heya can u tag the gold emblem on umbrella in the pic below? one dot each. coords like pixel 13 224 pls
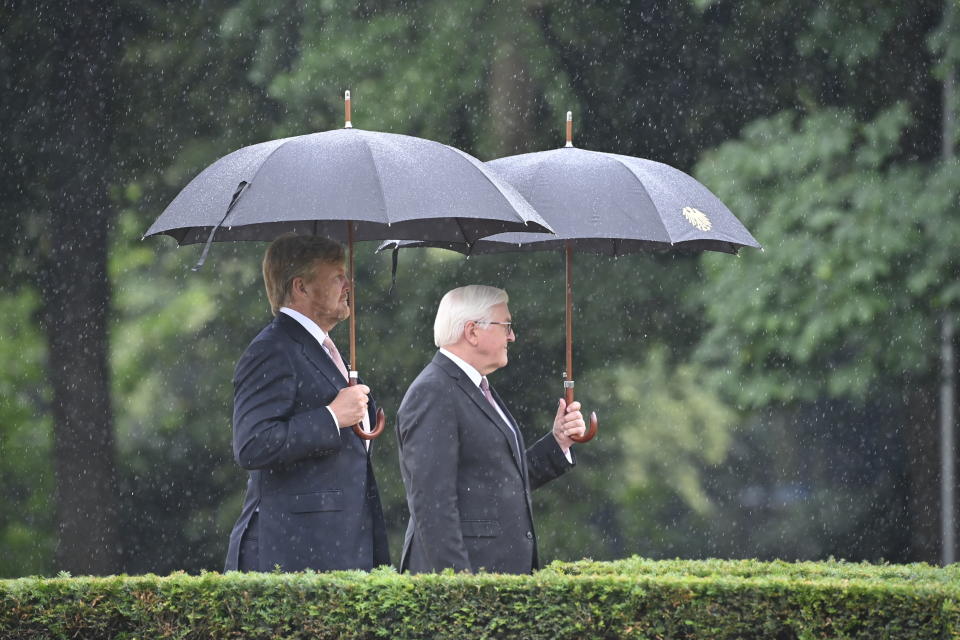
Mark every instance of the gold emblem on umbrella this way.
pixel 697 218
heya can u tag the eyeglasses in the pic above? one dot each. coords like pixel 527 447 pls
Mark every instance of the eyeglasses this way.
pixel 507 325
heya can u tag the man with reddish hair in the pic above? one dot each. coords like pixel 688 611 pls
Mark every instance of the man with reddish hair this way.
pixel 311 499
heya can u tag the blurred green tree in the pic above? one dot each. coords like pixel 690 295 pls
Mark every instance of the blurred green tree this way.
pixel 27 526
pixel 59 75
pixel 860 244
pixel 664 80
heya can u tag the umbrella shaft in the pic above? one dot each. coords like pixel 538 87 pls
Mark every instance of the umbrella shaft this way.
pixel 353 302
pixel 568 255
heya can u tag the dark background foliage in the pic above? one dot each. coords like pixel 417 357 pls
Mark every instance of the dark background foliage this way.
pixel 779 404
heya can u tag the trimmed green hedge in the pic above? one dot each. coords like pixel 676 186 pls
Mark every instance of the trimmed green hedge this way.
pixel 632 598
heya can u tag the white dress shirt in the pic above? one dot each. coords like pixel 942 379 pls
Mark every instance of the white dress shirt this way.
pixel 475 378
pixel 320 335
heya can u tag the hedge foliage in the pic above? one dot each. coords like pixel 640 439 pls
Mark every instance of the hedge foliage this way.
pixel 631 598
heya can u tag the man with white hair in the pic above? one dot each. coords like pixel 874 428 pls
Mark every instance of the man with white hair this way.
pixel 467 473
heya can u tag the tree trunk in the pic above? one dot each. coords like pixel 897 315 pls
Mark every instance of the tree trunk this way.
pixel 73 279
pixel 920 435
pixel 512 93
pixel 947 400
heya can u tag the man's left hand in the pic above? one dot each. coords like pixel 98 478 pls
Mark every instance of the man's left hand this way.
pixel 568 422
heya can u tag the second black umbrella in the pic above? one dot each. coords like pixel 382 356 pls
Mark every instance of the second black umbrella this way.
pixel 607 204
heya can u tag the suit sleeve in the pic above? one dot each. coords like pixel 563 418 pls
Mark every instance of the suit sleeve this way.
pixel 546 462
pixel 429 450
pixel 266 431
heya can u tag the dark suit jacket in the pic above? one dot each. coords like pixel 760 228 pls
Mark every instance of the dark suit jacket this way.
pixel 468 486
pixel 313 486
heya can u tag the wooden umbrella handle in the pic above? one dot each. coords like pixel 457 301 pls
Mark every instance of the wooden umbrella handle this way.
pixel 352 380
pixel 568 374
pixel 377 429
pixel 591 429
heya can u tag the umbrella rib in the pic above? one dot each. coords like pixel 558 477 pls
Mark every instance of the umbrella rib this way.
pixel 463 234
pixel 538 169
pixel 376 168
pixel 483 170
pixel 249 183
pixel 619 160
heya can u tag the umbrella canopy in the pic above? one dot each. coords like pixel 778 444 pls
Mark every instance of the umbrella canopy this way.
pixel 607 204
pixel 611 204
pixel 387 185
pixel 347 185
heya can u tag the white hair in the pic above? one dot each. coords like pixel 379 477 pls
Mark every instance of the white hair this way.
pixel 461 305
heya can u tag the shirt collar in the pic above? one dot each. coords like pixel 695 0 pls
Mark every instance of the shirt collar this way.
pixel 468 369
pixel 312 327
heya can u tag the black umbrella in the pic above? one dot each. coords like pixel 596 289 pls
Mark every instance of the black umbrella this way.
pixel 347 185
pixel 607 204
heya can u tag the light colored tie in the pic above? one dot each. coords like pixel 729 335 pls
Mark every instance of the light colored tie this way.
pixel 337 360
pixel 335 356
pixel 485 387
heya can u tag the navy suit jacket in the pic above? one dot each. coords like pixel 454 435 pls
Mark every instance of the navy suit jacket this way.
pixel 468 482
pixel 311 483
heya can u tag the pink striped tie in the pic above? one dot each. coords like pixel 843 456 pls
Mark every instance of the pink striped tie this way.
pixel 485 387
pixel 335 356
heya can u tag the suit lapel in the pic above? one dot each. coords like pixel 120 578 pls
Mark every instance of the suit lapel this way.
pixel 312 350
pixel 519 453
pixel 319 358
pixel 473 392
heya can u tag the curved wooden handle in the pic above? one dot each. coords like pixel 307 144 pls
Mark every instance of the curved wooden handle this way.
pixel 377 429
pixel 591 427
pixel 591 430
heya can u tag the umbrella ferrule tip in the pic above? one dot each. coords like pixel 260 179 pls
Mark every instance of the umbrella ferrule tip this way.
pixel 346 94
pixel 569 116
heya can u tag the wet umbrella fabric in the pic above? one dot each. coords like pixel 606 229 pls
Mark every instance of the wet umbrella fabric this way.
pixel 347 185
pixel 607 204
pixel 387 185
pixel 611 204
